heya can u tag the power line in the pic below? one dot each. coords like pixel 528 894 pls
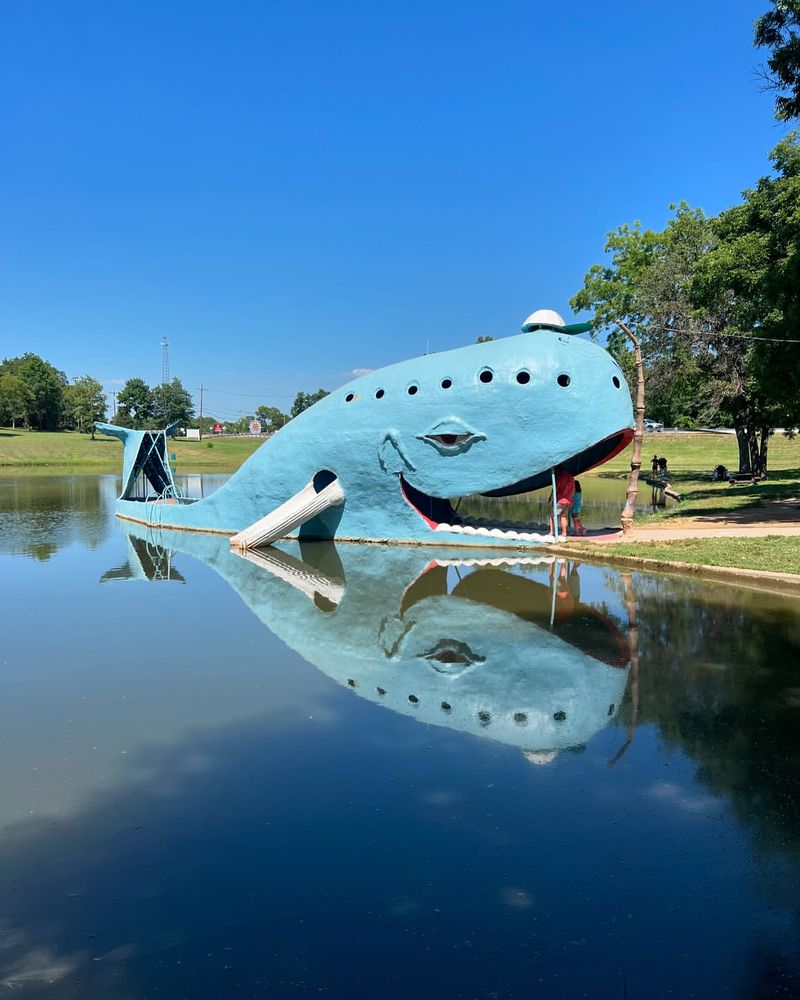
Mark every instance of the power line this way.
pixel 734 336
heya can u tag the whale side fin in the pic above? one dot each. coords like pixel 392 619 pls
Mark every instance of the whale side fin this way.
pixel 321 493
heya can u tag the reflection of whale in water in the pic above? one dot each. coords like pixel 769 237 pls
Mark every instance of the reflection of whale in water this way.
pixel 146 561
pixel 468 644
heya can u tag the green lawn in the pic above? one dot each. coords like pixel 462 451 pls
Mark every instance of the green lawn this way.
pixel 691 458
pixel 774 553
pixel 65 452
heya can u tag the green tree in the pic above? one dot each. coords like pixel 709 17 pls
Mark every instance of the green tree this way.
pixel 647 284
pixel 85 403
pixel 303 400
pixel 484 340
pixel 171 403
pixel 15 397
pixel 271 418
pixel 135 404
pixel 750 282
pixel 779 31
pixel 240 426
pixel 46 385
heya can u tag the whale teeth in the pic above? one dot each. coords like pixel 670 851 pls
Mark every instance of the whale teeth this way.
pixel 506 531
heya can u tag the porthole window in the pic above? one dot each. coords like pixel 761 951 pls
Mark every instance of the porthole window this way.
pixel 381 690
pixel 351 683
pixel 563 380
pixel 379 394
pixel 520 718
pixel 615 380
pixel 412 390
pixel 523 377
pixel 413 699
pixel 559 716
pixel 349 397
pixel 484 718
pixel 446 706
pixel 486 376
pixel 447 383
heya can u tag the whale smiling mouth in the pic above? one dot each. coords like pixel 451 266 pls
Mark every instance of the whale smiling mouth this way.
pixel 439 515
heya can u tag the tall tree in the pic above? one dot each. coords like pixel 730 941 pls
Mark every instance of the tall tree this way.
pixel 85 403
pixel 271 418
pixel 135 404
pixel 15 397
pixel 749 284
pixel 46 385
pixel 171 403
pixel 779 31
pixel 647 284
pixel 303 400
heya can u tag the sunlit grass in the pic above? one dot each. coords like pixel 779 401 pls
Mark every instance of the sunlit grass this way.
pixel 68 452
pixel 775 553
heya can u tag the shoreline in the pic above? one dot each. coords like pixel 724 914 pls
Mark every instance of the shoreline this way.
pixel 787 584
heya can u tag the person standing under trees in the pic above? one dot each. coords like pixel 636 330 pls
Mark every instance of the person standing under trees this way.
pixel 577 503
pixel 565 494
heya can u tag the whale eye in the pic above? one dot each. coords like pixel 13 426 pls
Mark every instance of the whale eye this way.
pixel 563 380
pixel 486 376
pixel 523 377
pixel 412 390
pixel 449 440
pixel 349 397
pixel 379 394
pixel 615 380
pixel 447 383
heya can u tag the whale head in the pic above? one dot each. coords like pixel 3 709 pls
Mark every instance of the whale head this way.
pixel 492 419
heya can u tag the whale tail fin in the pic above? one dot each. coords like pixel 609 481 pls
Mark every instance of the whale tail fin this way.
pixel 145 467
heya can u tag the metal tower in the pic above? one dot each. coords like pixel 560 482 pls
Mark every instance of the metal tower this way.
pixel 164 361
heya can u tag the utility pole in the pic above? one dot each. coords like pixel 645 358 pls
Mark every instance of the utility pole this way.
pixel 114 403
pixel 202 389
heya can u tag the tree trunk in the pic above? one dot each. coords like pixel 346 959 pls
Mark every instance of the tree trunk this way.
pixel 764 448
pixel 744 451
pixel 755 451
pixel 638 434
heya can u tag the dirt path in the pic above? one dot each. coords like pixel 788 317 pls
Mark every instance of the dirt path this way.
pixel 703 528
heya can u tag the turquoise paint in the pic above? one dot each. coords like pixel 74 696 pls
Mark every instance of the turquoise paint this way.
pixel 467 644
pixel 491 418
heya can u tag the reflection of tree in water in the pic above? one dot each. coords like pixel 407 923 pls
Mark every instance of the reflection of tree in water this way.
pixel 720 682
pixel 719 679
pixel 43 515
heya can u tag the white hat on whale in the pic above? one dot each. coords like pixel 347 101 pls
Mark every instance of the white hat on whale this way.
pixel 549 319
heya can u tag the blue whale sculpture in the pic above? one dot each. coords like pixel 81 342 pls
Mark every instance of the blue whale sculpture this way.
pixel 484 646
pixel 381 458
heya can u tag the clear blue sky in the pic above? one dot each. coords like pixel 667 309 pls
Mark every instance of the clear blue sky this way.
pixel 290 191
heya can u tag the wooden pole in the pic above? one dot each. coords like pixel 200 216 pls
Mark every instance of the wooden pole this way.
pixel 638 434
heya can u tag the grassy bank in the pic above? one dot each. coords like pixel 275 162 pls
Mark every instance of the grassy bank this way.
pixel 773 554
pixel 691 458
pixel 68 452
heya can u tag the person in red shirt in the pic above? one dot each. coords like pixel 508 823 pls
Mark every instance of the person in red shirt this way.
pixel 565 494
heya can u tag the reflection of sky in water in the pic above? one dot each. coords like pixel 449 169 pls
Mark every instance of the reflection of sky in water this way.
pixel 188 807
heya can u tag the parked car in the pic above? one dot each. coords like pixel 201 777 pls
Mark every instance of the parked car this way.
pixel 653 426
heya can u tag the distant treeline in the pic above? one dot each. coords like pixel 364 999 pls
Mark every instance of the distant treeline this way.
pixel 37 395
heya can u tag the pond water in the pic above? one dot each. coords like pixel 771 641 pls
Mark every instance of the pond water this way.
pixel 364 771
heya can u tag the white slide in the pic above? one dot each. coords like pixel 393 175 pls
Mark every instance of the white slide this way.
pixel 309 502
